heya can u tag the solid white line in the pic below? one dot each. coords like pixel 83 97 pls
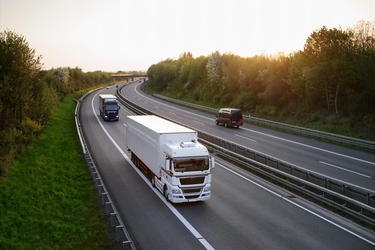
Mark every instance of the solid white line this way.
pixel 198 122
pixel 307 210
pixel 245 137
pixel 169 205
pixel 325 163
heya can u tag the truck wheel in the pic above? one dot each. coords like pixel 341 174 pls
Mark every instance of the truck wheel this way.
pixel 226 125
pixel 217 123
pixel 153 180
pixel 166 194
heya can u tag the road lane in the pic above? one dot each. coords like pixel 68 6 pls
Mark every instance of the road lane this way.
pixel 241 214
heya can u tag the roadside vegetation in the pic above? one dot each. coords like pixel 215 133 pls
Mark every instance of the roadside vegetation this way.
pixel 29 94
pixel 47 198
pixel 329 85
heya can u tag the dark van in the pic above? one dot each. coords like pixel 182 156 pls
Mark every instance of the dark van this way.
pixel 229 117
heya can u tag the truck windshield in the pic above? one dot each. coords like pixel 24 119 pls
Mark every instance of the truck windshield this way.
pixel 190 164
pixel 111 107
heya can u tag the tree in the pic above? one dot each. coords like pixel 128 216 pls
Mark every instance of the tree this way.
pixel 19 71
pixel 214 75
pixel 323 67
pixel 362 87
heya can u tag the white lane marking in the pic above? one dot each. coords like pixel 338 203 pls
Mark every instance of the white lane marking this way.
pixel 292 202
pixel 169 205
pixel 331 165
pixel 245 138
pixel 201 123
pixel 312 147
pixel 275 137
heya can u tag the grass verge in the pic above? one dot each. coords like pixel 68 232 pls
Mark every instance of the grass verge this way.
pixel 47 199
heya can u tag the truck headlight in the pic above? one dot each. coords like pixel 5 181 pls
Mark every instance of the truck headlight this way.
pixel 176 191
pixel 207 189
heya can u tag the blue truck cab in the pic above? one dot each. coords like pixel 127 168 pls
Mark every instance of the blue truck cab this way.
pixel 108 107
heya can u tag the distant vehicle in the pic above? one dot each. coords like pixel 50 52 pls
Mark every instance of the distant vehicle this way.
pixel 107 87
pixel 108 107
pixel 229 117
pixel 171 157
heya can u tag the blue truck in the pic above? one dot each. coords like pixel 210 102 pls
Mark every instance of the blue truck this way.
pixel 108 107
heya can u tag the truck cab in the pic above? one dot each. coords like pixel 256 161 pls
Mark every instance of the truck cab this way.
pixel 108 107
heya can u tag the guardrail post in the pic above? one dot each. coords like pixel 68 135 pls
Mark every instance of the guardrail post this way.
pixel 325 185
pixel 369 196
pixel 118 230
pixel 112 215
pixel 94 175
pixel 104 195
pixel 125 244
pixel 97 181
pixel 107 206
pixel 92 169
pixel 344 187
pixel 100 187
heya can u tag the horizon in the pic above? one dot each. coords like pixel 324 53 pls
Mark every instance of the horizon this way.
pixel 117 35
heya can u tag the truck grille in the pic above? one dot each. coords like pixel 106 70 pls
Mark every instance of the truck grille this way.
pixel 192 180
pixel 192 193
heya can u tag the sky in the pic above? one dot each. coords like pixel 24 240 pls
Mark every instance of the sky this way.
pixel 127 35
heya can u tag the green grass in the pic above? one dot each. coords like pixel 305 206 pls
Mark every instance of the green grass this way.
pixel 47 198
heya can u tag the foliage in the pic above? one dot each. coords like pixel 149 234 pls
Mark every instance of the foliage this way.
pixel 333 74
pixel 29 95
pixel 19 71
pixel 47 200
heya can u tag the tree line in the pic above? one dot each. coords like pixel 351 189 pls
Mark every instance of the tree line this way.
pixel 333 74
pixel 29 94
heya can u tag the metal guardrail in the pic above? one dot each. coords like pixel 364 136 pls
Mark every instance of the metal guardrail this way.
pixel 354 200
pixel 368 145
pixel 122 234
pixel 348 198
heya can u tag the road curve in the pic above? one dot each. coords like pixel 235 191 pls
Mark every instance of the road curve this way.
pixel 244 212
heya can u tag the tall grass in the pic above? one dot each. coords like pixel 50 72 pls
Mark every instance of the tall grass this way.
pixel 47 199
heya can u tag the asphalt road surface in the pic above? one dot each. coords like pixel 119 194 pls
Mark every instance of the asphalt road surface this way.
pixel 244 212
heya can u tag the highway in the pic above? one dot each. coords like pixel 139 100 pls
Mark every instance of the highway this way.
pixel 348 165
pixel 244 212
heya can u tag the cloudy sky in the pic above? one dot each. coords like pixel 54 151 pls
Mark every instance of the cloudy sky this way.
pixel 112 35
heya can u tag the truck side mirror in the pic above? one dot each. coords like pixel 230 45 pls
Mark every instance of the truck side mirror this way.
pixel 167 164
pixel 212 161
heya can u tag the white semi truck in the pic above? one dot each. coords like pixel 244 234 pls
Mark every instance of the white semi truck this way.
pixel 171 157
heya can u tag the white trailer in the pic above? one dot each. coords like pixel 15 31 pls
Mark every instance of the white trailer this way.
pixel 171 157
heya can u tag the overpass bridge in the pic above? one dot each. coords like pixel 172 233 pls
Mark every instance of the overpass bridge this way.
pixel 126 77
